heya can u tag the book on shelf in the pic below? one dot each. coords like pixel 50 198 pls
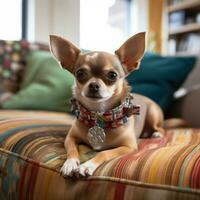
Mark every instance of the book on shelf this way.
pixel 172 46
pixel 176 19
pixel 190 43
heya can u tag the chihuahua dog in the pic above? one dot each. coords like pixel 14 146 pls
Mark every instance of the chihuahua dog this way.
pixel 103 103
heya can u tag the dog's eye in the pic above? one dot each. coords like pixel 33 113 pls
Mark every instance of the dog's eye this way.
pixel 81 74
pixel 112 76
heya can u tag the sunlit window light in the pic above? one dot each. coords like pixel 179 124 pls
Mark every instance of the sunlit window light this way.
pixel 104 24
pixel 10 19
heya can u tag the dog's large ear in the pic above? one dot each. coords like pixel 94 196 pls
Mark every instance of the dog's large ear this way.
pixel 131 52
pixel 64 51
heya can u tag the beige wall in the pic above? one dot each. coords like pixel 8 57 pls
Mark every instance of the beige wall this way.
pixel 155 14
pixel 60 17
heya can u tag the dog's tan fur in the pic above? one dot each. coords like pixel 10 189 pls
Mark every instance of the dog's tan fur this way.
pixel 96 65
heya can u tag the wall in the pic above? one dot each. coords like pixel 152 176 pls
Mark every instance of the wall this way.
pixel 147 16
pixel 155 15
pixel 60 17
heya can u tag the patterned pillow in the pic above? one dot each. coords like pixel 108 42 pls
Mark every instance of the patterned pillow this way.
pixel 12 63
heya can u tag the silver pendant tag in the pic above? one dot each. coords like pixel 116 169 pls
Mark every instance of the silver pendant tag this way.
pixel 96 136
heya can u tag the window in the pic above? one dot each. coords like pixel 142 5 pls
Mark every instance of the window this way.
pixel 11 19
pixel 104 24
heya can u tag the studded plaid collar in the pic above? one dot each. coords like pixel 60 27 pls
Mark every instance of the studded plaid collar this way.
pixel 109 119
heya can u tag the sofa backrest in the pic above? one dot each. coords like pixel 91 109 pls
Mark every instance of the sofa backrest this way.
pixel 193 79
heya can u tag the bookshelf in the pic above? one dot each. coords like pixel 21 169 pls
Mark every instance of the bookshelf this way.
pixel 185 29
pixel 183 5
pixel 181 30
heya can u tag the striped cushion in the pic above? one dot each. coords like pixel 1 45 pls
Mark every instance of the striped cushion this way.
pixel 173 160
pixel 24 179
pixel 32 152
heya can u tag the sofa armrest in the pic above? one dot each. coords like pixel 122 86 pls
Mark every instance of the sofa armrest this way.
pixel 187 107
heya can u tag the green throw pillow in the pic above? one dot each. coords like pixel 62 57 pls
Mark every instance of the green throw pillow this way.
pixel 45 85
pixel 160 76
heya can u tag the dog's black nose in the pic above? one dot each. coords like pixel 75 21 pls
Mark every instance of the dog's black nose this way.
pixel 94 87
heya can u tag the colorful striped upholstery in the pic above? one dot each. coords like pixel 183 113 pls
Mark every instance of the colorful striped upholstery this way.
pixel 174 160
pixel 32 152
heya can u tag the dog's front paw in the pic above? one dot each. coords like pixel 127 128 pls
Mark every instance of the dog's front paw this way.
pixel 70 167
pixel 87 168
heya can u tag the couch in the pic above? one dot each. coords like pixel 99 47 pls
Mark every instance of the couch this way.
pixel 32 153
